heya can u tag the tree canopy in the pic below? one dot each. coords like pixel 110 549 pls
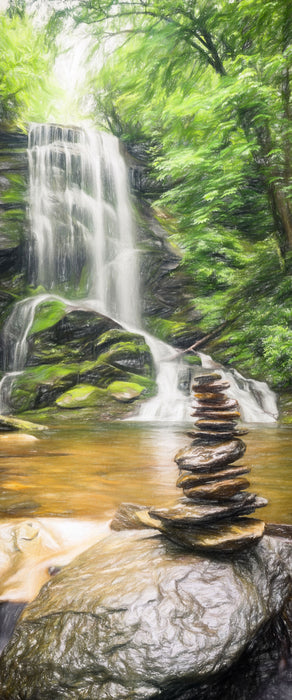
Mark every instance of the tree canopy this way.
pixel 206 86
pixel 27 89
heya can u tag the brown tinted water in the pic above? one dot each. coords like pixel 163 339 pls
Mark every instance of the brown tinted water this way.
pixel 84 470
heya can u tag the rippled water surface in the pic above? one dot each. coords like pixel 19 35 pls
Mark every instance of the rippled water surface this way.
pixel 83 469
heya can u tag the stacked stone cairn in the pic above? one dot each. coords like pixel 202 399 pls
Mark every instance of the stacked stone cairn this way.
pixel 211 515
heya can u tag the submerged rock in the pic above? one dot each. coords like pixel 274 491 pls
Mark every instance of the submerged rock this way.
pixel 10 423
pixel 136 617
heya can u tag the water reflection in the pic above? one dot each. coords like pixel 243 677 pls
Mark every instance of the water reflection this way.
pixel 86 470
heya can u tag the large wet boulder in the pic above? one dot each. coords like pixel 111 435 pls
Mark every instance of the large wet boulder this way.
pixel 69 346
pixel 136 616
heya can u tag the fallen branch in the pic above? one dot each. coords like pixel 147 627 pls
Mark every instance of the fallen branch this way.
pixel 199 343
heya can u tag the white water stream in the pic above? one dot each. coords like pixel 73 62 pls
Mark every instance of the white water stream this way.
pixel 82 251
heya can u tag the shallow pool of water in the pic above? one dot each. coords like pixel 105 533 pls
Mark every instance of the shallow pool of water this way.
pixel 82 469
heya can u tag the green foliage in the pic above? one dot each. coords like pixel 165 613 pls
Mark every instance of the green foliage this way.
pixel 16 7
pixel 205 86
pixel 26 90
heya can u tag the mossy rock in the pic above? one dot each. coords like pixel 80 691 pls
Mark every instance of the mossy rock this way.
pixel 81 396
pixel 130 356
pixel 285 408
pixel 192 360
pixel 47 314
pixel 11 424
pixel 149 384
pixel 66 335
pixel 118 335
pixel 125 391
pixel 40 386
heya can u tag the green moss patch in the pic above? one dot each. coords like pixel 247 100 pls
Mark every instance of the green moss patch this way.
pixel 47 314
pixel 39 386
pixel 81 396
pixel 125 391
pixel 116 335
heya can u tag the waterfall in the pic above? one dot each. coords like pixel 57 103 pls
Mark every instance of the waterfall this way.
pixel 82 252
pixel 256 400
pixel 82 239
pixel 170 404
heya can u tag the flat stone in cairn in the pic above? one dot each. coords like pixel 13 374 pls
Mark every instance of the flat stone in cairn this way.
pixel 207 378
pixel 219 425
pixel 207 458
pixel 227 536
pixel 189 479
pixel 201 436
pixel 217 490
pixel 211 387
pixel 229 404
pixel 209 397
pixel 213 415
pixel 186 513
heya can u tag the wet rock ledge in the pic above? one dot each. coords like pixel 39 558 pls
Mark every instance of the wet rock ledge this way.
pixel 165 605
pixel 136 616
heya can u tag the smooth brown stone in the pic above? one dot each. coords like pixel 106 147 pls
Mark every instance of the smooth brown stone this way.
pixel 208 396
pixel 203 437
pixel 206 438
pixel 190 479
pixel 216 415
pixel 125 518
pixel 185 513
pixel 224 537
pixel 205 424
pixel 206 458
pixel 217 490
pixel 222 406
pixel 212 387
pixel 207 378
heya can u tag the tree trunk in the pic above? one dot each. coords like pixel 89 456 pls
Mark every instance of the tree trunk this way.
pixel 282 217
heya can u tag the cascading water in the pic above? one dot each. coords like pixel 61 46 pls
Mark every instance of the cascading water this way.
pixel 82 232
pixel 257 402
pixel 82 247
pixel 170 403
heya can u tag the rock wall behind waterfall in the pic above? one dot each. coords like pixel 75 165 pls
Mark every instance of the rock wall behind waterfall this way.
pixel 167 292
pixel 13 218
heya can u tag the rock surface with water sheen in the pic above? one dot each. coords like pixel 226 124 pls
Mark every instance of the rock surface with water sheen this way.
pixel 202 457
pixel 136 617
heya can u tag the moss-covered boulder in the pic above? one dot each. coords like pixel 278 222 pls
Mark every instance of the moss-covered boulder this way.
pixel 63 333
pixel 69 347
pixel 40 386
pixel 81 396
pixel 125 392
